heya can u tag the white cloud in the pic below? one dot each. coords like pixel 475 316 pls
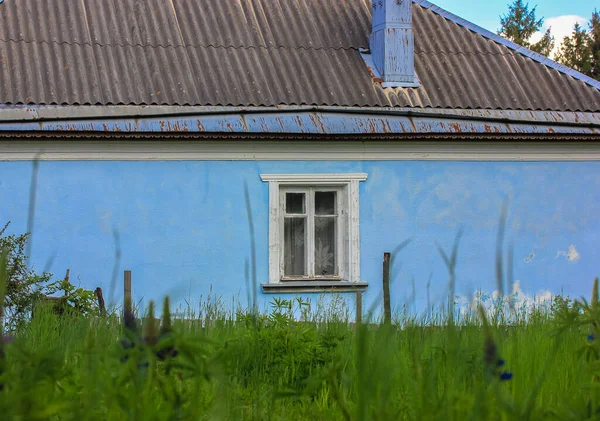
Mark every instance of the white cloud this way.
pixel 561 26
pixel 572 255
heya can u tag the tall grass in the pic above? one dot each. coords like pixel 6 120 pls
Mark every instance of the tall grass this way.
pixel 273 367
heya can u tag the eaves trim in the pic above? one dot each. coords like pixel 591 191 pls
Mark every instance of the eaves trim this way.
pixel 72 113
pixel 513 46
pixel 299 150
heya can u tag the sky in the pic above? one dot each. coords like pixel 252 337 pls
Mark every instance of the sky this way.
pixel 560 15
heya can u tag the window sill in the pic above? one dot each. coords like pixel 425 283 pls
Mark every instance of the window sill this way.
pixel 313 286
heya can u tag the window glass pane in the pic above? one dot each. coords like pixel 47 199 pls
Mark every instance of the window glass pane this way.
pixel 325 203
pixel 294 247
pixel 294 203
pixel 325 246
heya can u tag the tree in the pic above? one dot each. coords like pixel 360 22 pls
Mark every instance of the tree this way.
pixel 595 47
pixel 581 50
pixel 575 50
pixel 519 25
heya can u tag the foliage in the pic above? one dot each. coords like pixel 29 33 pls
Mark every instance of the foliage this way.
pixel 275 367
pixel 581 49
pixel 575 51
pixel 23 284
pixel 519 25
pixel 25 287
pixel 278 345
pixel 80 300
pixel 595 44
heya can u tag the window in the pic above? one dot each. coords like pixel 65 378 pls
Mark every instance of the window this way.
pixel 313 231
pixel 312 243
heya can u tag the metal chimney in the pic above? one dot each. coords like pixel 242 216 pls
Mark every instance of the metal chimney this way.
pixel 392 43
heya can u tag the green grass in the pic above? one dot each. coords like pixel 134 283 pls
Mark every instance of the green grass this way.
pixel 272 367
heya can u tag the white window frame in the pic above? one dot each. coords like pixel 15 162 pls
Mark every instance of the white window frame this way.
pixel 341 235
pixel 347 186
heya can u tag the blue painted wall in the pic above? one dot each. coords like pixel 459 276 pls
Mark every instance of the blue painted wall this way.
pixel 183 225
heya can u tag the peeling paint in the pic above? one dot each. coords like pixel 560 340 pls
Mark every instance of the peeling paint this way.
pixel 298 123
pixel 572 255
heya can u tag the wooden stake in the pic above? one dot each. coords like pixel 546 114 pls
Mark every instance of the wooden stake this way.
pixel 67 277
pixel 387 309
pixel 127 286
pixel 100 298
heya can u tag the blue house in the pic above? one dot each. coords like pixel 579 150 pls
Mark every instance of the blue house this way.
pixel 259 147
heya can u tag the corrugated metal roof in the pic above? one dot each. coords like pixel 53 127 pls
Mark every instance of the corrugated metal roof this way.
pixel 257 53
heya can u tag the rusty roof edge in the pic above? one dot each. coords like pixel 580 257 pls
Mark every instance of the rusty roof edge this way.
pixel 39 113
pixel 513 46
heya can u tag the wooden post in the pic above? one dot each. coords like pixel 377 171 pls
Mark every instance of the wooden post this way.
pixel 358 307
pixel 128 314
pixel 127 286
pixel 100 298
pixel 387 309
pixel 67 277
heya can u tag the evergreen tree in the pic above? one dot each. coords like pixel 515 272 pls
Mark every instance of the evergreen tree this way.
pixel 595 45
pixel 519 25
pixel 575 51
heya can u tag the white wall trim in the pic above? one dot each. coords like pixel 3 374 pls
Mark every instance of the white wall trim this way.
pixel 132 150
pixel 314 178
pixel 350 182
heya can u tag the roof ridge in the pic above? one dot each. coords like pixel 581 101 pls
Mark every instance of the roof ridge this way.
pixel 127 44
pixel 509 44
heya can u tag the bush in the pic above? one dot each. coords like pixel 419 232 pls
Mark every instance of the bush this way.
pixel 25 287
pixel 23 284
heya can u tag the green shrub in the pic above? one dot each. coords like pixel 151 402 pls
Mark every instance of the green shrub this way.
pixel 25 288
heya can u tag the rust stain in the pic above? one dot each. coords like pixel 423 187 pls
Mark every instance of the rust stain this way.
pixel 299 120
pixel 200 126
pixel 244 123
pixel 105 127
pixel 487 128
pixel 316 119
pixel 375 78
pixel 412 124
pixel 387 128
pixel 551 130
pixel 162 126
pixel 280 122
pixel 372 127
pixel 178 126
pixel 456 127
